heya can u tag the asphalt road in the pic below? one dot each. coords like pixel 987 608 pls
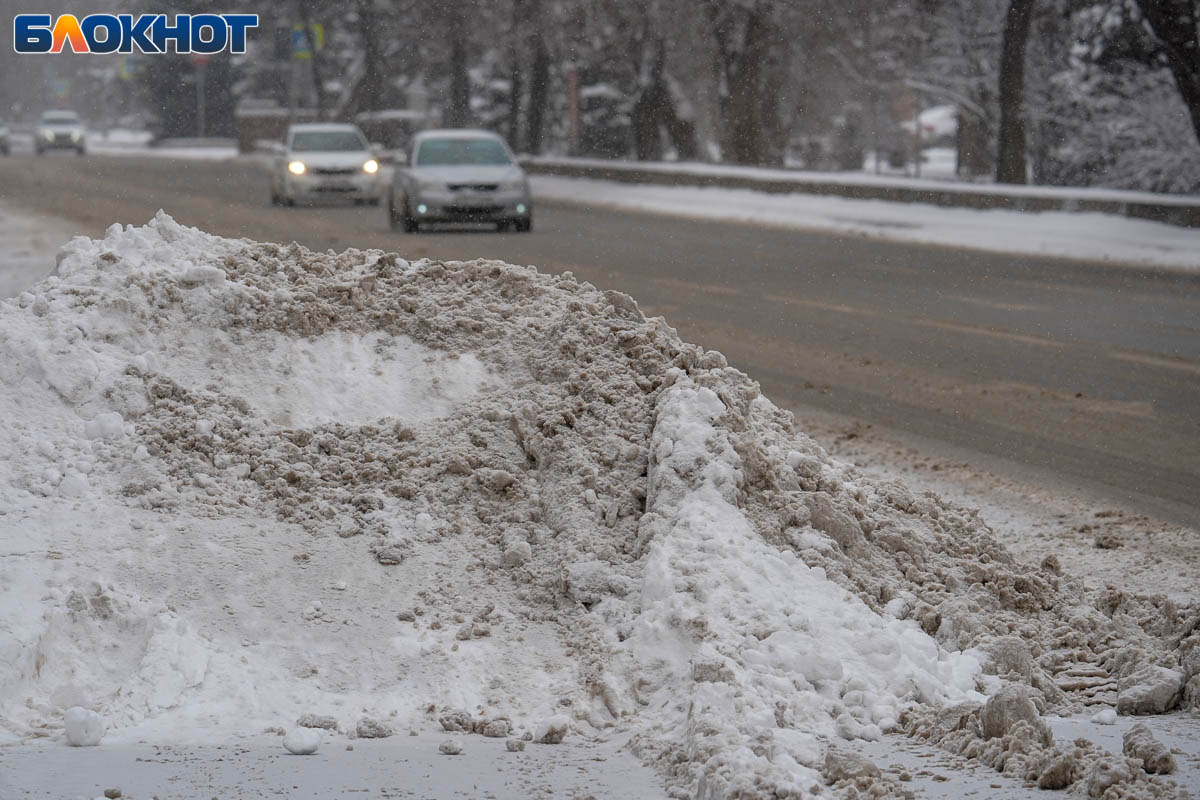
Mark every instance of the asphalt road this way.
pixel 1076 372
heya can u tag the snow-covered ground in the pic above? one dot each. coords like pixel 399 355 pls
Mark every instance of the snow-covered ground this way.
pixel 122 142
pixel 1093 237
pixel 515 506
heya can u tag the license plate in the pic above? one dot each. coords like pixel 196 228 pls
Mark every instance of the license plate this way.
pixel 470 200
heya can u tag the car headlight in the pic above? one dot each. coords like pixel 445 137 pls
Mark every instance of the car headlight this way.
pixel 75 136
pixel 297 168
pixel 371 167
pixel 47 134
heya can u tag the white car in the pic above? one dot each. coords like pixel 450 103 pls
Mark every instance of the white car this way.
pixel 325 160
pixel 60 130
pixel 460 176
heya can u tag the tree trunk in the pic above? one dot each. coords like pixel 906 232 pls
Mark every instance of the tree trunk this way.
pixel 539 94
pixel 516 87
pixel 1175 24
pixel 314 59
pixel 1010 158
pixel 369 91
pixel 748 144
pixel 458 106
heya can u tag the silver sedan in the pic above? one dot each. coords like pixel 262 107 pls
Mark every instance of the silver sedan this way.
pixel 460 176
pixel 319 161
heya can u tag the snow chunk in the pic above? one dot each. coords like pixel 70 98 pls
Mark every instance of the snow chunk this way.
pixel 552 730
pixel 108 425
pixel 84 727
pixel 1150 690
pixel 302 741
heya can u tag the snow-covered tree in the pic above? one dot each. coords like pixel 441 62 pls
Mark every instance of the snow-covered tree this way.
pixel 1117 118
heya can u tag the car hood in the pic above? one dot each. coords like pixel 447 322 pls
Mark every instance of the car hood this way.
pixel 331 160
pixel 468 173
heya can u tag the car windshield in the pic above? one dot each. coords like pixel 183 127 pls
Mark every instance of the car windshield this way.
pixel 440 152
pixel 327 142
pixel 60 119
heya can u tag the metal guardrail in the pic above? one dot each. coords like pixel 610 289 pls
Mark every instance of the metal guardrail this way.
pixel 1181 211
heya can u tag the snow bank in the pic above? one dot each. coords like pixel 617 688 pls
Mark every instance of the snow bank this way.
pixel 245 484
pixel 1099 238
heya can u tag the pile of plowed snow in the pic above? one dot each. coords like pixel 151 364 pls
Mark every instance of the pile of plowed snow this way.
pixel 242 483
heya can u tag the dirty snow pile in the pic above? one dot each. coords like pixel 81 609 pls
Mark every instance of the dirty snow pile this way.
pixel 245 484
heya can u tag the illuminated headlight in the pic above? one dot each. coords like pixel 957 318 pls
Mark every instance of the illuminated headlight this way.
pixel 422 208
pixel 521 208
pixel 297 168
pixel 371 167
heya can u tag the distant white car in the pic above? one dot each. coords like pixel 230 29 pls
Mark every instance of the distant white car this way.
pixel 460 176
pixel 325 160
pixel 60 130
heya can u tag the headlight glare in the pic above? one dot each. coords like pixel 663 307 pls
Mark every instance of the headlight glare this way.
pixel 371 167
pixel 297 168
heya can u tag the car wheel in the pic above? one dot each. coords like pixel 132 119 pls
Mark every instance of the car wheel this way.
pixel 525 225
pixel 502 227
pixel 81 152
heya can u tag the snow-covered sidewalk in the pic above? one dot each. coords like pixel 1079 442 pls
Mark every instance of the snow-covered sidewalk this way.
pixel 1086 236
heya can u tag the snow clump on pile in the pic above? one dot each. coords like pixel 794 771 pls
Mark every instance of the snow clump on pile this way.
pixel 243 483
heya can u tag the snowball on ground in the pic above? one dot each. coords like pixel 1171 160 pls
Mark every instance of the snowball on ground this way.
pixel 84 727
pixel 302 741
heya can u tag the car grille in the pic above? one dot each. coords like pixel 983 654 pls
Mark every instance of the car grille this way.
pixel 340 171
pixel 62 138
pixel 471 211
pixel 474 187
